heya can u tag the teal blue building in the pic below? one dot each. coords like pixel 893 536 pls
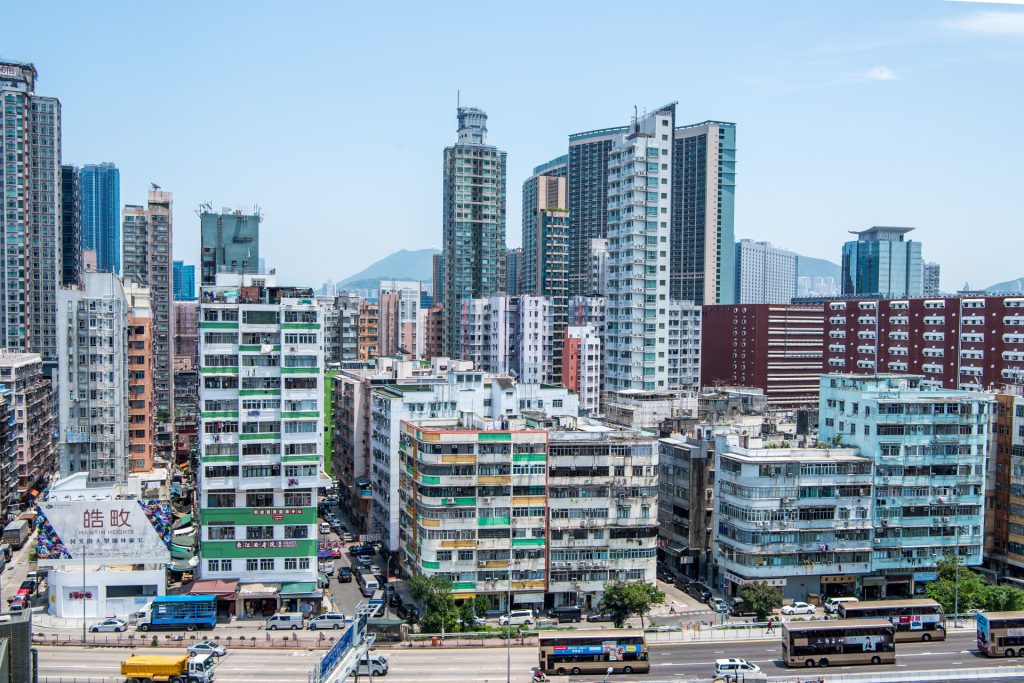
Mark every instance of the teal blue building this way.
pixel 100 190
pixel 929 447
pixel 882 262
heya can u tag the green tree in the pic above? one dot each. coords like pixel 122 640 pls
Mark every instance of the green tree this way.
pixel 761 598
pixel 973 592
pixel 624 599
pixel 468 610
pixel 440 613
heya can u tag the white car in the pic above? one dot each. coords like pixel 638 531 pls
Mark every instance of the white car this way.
pixel 516 618
pixel 115 625
pixel 798 608
pixel 735 669
pixel 207 649
pixel 374 569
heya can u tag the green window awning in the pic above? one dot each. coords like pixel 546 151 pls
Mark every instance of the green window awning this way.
pixel 184 520
pixel 298 588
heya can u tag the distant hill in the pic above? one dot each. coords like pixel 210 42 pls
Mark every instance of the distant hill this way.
pixel 1008 287
pixel 401 265
pixel 807 266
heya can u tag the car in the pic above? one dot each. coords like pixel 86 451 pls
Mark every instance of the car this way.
pixel 335 552
pixel 375 570
pixel 516 617
pixel 699 591
pixel 405 611
pixel 738 608
pixel 328 569
pixel 18 604
pixel 365 549
pixel 364 561
pixel 666 577
pixel 600 616
pixel 207 648
pixel 734 669
pixel 114 625
pixel 798 608
pixel 718 605
pixel 345 574
pixel 395 600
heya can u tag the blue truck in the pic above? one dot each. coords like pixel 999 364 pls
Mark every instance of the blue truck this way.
pixel 177 612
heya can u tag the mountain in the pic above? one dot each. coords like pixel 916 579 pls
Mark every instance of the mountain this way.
pixel 1008 287
pixel 401 265
pixel 807 266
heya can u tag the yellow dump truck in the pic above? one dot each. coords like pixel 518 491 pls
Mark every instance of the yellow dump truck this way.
pixel 168 669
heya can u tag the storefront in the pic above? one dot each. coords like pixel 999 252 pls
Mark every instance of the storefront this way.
pixel 258 600
pixel 838 586
pixel 225 590
pixel 301 596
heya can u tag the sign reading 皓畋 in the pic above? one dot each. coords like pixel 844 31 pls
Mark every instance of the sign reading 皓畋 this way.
pixel 136 531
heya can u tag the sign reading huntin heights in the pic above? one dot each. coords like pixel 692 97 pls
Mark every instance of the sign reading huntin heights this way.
pixel 105 532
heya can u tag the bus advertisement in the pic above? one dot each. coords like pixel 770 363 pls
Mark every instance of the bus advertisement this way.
pixel 1000 634
pixel 844 641
pixel 913 620
pixel 583 652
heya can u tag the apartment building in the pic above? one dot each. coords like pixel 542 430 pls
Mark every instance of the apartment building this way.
pixel 230 242
pixel 544 510
pixel 33 457
pixel 929 447
pixel 368 339
pixel 9 503
pixel 186 377
pixel 777 348
pixel 512 335
pixel 765 274
pixel 971 343
pixel 261 440
pixel 795 518
pixel 93 379
pixel 141 427
pixel 494 397
pixel 581 367
pixel 1002 483
pixel 684 341
pixel 401 319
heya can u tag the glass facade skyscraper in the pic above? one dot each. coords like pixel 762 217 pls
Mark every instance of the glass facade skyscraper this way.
pixel 474 221
pixel 101 214
pixel 71 226
pixel 882 262
pixel 184 281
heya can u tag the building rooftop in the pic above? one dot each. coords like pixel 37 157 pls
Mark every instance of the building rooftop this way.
pixel 878 233
pixel 789 455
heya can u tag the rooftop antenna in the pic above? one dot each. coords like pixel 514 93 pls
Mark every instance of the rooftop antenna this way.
pixel 636 119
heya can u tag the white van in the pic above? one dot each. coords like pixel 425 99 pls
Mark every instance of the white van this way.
pixel 373 665
pixel 832 604
pixel 288 620
pixel 516 617
pixel 733 669
pixel 325 529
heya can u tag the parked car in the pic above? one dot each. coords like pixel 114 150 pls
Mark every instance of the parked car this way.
pixel 798 608
pixel 516 617
pixel 364 549
pixel 738 608
pixel 18 604
pixel 375 570
pixel 335 552
pixel 207 648
pixel 599 616
pixel 364 560
pixel 666 576
pixel 114 625
pixel 567 614
pixel 407 612
pixel 832 604
pixel 395 600
pixel 285 621
pixel 345 574
pixel 718 604
pixel 699 591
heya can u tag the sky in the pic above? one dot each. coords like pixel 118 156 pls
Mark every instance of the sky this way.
pixel 332 117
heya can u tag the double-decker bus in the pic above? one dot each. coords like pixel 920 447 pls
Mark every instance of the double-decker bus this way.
pixel 843 641
pixel 593 652
pixel 1001 634
pixel 912 619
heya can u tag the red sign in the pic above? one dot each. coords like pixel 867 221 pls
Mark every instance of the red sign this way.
pixel 277 514
pixel 77 595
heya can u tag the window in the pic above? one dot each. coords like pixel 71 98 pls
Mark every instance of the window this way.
pixel 303 563
pixel 218 565
pixel 252 565
pixel 444 555
pixel 466 555
pixel 296 531
pixel 259 533
pixel 291 563
pixel 298 498
pixel 259 500
pixel 220 500
pixel 220 532
pixel 267 564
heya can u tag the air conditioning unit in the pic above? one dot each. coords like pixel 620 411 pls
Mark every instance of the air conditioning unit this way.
pixel 481 563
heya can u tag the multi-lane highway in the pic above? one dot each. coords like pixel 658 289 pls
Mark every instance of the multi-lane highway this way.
pixel 670 662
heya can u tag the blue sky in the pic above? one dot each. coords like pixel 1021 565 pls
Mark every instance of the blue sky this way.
pixel 332 116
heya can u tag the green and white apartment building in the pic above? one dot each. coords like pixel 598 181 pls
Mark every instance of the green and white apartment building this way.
pixel 542 510
pixel 261 441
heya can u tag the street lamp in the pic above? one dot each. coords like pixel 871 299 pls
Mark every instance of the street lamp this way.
pixel 956 576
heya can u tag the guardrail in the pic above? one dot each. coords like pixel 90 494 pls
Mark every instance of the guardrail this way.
pixel 907 676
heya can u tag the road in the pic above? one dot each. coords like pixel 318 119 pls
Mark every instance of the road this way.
pixel 670 662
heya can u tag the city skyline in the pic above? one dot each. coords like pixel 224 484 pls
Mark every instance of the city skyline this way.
pixel 858 89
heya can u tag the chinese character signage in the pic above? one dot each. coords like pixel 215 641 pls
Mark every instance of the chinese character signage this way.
pixel 135 531
pixel 265 544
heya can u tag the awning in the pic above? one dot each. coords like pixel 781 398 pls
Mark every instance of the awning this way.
pixel 184 520
pixel 179 553
pixel 296 588
pixel 527 598
pixel 258 590
pixel 219 587
pixel 873 581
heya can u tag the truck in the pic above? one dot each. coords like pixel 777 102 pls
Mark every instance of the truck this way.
pixel 187 612
pixel 17 532
pixel 168 669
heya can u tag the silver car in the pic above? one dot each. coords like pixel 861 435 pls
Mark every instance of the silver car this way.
pixel 109 625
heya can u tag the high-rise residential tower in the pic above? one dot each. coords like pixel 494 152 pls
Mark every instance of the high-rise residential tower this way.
pixel 882 262
pixel 764 274
pixel 474 220
pixel 703 198
pixel 514 271
pixel 30 238
pixel 546 189
pixel 437 268
pixel 71 225
pixel 230 242
pixel 148 239
pixel 930 286
pixel 101 211
pixel 639 210
pixel 93 397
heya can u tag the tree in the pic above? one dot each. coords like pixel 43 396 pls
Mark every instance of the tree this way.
pixel 470 609
pixel 761 598
pixel 440 613
pixel 624 599
pixel 973 592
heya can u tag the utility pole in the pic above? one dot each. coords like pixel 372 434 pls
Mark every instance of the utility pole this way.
pixel 83 595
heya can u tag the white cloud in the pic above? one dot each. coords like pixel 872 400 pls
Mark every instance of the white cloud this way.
pixel 881 73
pixel 991 23
pixel 992 2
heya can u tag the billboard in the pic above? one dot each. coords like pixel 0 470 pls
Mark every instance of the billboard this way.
pixel 104 532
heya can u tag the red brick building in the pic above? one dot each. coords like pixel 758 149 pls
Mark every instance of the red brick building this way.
pixel 777 347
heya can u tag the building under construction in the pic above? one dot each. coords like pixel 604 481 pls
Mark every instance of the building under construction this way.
pixel 230 242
